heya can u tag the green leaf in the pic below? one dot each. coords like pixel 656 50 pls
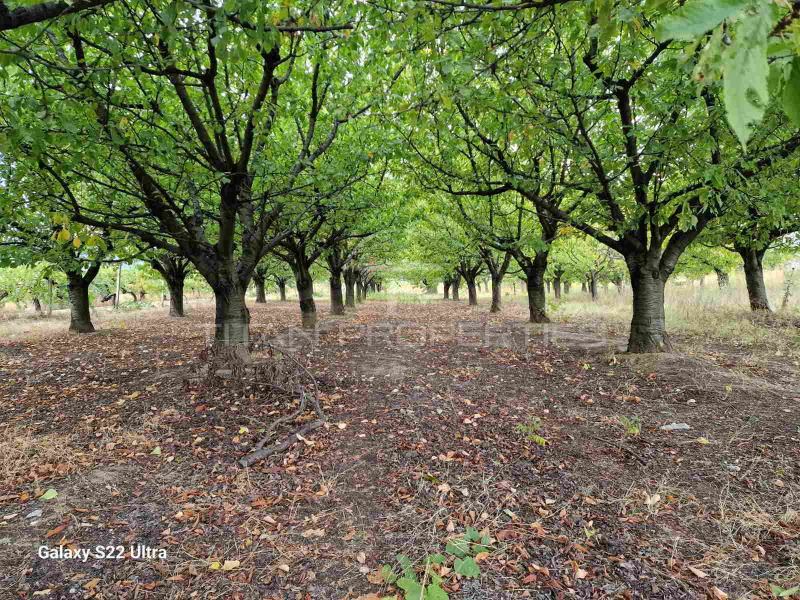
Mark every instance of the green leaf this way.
pixel 412 589
pixel 406 565
pixel 458 547
pixel 472 534
pixel 467 567
pixel 697 17
pixel 791 93
pixel 49 494
pixel 156 451
pixel 435 592
pixel 745 71
pixel 435 559
pixel 388 574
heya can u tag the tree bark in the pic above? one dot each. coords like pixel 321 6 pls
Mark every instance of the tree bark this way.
pixel 557 287
pixel 305 291
pixel 583 285
pixel 592 283
pixel 754 277
pixel 337 301
pixel 447 285
pixel 359 291
pixel 648 325
pixel 350 288
pixel 566 287
pixel 175 297
pixel 80 319
pixel 497 293
pixel 456 286
pixel 282 289
pixel 722 278
pixel 472 292
pixel 534 284
pixel 37 306
pixel 261 294
pixel 232 316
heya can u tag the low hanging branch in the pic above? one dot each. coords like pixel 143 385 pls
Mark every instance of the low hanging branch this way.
pixel 260 452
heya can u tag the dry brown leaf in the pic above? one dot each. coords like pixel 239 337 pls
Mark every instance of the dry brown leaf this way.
pixel 718 593
pixel 698 572
pixel 91 584
pixel 56 531
pixel 375 577
pixel 361 557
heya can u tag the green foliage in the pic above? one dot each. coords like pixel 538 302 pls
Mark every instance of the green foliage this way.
pixel 530 430
pixel 632 425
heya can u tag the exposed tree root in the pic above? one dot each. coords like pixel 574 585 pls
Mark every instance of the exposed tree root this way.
pixel 274 376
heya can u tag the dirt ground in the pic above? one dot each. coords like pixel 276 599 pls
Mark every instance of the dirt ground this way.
pixel 591 498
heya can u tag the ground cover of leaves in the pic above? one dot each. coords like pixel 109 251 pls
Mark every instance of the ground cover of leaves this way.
pixel 424 403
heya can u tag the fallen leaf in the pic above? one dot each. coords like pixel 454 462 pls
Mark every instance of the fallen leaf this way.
pixel 56 531
pixel 230 565
pixel 156 451
pixel 49 494
pixel 718 593
pixel 698 572
pixel 375 577
pixel 581 574
pixel 214 565
pixel 284 568
pixel 309 533
pixel 91 584
pixel 361 557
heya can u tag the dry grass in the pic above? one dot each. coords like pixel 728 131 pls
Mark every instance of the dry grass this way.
pixel 29 458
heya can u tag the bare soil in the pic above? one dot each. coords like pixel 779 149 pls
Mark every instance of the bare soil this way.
pixel 424 404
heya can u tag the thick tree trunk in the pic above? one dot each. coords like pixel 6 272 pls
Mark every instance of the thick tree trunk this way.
pixel 282 289
pixel 557 287
pixel 754 277
pixel 497 293
pixel 447 285
pixel 648 325
pixel 472 292
pixel 534 284
pixel 722 278
pixel 80 319
pixel 261 294
pixel 232 317
pixel 305 291
pixel 455 288
pixel 337 300
pixel 175 297
pixel 350 291
pixel 37 306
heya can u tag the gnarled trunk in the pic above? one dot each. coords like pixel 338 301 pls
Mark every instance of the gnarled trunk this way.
pixel 722 278
pixel 648 325
pixel 175 297
pixel 80 319
pixel 534 284
pixel 232 318
pixel 557 287
pixel 305 291
pixel 472 292
pixel 754 277
pixel 261 294
pixel 497 293
pixel 455 288
pixel 337 300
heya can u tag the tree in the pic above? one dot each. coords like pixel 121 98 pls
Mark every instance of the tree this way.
pixel 173 268
pixel 198 131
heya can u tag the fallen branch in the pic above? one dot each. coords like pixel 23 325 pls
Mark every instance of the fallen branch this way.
pixel 259 452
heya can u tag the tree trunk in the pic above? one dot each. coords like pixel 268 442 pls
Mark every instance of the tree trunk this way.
pixel 557 287
pixel 497 293
pixel 583 285
pixel 534 284
pixel 648 325
pixel 141 296
pixel 37 306
pixel 566 287
pixel 722 278
pixel 261 295
pixel 472 292
pixel 447 285
pixel 547 284
pixel 430 288
pixel 80 319
pixel 305 290
pixel 754 276
pixel 282 289
pixel 456 286
pixel 175 297
pixel 337 301
pixel 359 291
pixel 350 291
pixel 232 317
pixel 592 281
